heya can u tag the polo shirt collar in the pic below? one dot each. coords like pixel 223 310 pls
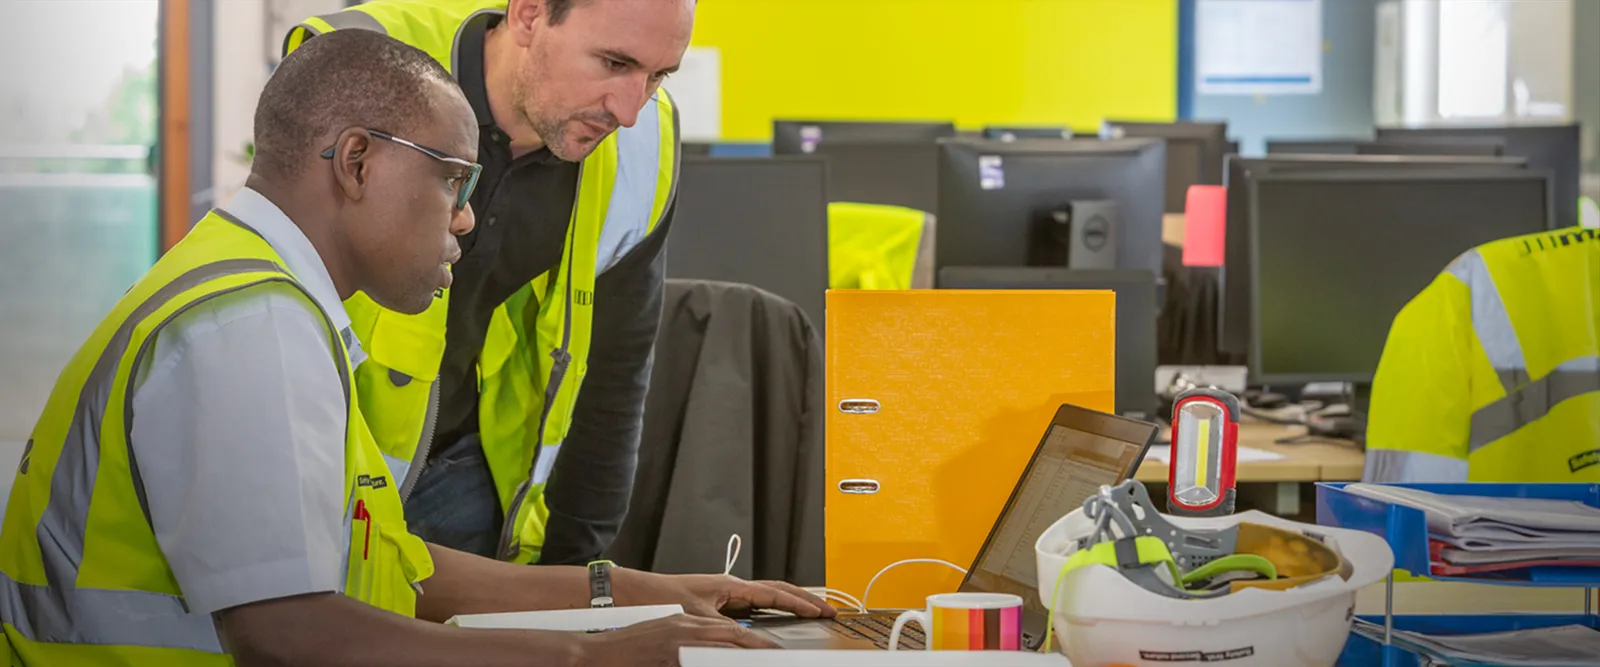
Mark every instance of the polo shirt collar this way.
pixel 299 256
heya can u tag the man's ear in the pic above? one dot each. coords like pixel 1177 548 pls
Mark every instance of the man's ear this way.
pixel 352 165
pixel 523 19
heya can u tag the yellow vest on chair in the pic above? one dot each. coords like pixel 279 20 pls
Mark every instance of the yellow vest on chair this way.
pixel 536 351
pixel 82 578
pixel 873 246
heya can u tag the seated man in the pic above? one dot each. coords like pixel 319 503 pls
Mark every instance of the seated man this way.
pixel 1492 373
pixel 202 487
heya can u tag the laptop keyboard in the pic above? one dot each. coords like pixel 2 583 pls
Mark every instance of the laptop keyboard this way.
pixel 876 628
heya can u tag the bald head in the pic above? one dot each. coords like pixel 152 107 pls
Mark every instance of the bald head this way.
pixel 340 80
pixel 368 146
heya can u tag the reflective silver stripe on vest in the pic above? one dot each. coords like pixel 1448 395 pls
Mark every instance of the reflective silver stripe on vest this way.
pixel 545 463
pixel 353 19
pixel 104 617
pixel 1386 466
pixel 398 468
pixel 161 620
pixel 1526 400
pixel 1490 321
pixel 1573 378
pixel 66 514
pixel 634 193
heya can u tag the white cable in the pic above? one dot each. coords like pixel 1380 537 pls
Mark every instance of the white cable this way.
pixel 838 596
pixel 868 593
pixel 734 543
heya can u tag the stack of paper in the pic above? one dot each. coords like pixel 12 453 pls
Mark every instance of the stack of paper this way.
pixel 1561 646
pixel 568 620
pixel 1475 534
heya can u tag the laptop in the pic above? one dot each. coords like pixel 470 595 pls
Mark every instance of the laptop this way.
pixel 1081 450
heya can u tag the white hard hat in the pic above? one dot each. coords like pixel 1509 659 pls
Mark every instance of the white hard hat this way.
pixel 1128 601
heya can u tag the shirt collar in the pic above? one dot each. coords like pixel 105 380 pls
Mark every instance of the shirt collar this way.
pixel 299 256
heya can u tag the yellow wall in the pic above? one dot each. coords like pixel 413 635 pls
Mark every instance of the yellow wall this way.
pixel 978 62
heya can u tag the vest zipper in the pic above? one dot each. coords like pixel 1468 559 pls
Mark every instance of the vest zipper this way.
pixel 558 371
pixel 420 459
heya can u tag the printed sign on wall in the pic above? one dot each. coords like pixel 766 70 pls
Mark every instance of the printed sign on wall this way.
pixel 1258 47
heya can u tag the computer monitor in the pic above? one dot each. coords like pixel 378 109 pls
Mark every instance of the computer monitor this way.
pixel 1461 146
pixel 1313 146
pixel 1234 318
pixel 759 221
pixel 1469 147
pixel 1195 153
pixel 998 200
pixel 1012 133
pixel 894 173
pixel 1336 254
pixel 795 136
pixel 1137 313
pixel 1553 147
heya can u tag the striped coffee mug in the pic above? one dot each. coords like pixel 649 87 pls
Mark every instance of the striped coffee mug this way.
pixel 966 622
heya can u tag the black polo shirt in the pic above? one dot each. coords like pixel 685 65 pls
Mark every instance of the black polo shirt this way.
pixel 523 207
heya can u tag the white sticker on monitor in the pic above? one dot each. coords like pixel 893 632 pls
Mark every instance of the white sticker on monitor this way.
pixel 991 174
pixel 810 136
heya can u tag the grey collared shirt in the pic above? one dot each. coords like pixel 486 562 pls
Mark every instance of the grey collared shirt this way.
pixel 239 428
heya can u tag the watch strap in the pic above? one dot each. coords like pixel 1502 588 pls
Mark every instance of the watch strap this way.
pixel 600 584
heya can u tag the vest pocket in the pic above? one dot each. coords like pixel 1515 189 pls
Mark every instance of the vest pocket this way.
pixel 395 564
pixel 403 363
pixel 394 411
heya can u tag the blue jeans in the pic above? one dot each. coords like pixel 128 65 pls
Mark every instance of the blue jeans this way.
pixel 454 503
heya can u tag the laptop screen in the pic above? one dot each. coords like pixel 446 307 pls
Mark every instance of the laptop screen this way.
pixel 1081 451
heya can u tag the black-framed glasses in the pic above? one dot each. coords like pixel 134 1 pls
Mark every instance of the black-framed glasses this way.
pixel 469 181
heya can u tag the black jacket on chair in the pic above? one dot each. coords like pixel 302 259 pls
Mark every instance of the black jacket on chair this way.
pixel 732 439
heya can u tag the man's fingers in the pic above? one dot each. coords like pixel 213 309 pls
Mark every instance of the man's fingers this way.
pixel 703 609
pixel 820 603
pixel 764 596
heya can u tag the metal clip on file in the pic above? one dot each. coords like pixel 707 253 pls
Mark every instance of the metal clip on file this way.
pixel 1204 456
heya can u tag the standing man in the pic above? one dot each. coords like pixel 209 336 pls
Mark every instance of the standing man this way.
pixel 202 488
pixel 512 407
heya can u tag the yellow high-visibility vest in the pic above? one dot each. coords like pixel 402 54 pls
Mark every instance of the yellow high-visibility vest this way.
pixel 1492 373
pixel 873 246
pixel 82 579
pixel 536 352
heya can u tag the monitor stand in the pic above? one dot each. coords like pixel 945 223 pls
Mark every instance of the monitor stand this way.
pixel 1080 234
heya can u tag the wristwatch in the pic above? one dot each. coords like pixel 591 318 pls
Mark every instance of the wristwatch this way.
pixel 600 584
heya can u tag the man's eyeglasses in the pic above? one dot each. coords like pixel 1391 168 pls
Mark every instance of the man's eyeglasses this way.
pixel 469 181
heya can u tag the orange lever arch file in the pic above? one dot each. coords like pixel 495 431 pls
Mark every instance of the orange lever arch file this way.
pixel 936 400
